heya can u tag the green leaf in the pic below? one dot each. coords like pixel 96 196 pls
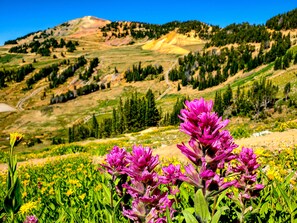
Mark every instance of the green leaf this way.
pixel 286 198
pixel 189 217
pixel 218 214
pixel 107 192
pixel 201 206
pixel 168 215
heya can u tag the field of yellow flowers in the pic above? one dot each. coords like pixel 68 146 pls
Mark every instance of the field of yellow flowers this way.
pixel 73 189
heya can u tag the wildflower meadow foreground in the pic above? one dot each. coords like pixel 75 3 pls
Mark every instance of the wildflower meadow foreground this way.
pixel 219 183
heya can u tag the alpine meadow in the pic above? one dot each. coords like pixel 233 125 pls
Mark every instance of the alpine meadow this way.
pixel 123 121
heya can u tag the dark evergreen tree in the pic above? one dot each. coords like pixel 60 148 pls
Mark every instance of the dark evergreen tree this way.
pixel 95 126
pixel 227 97
pixel 114 129
pixel 153 115
pixel 218 104
pixel 287 90
pixel 278 63
pixel 178 87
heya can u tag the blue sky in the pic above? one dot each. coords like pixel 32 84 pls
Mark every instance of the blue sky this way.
pixel 18 18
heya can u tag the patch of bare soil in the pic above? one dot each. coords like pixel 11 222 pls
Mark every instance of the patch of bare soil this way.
pixel 6 108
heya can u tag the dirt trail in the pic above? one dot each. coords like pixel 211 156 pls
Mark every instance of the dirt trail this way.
pixel 19 105
pixel 166 77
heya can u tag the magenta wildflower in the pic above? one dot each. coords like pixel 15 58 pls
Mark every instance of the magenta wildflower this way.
pixel 171 174
pixel 116 161
pixel 247 168
pixel 142 158
pixel 210 147
pixel 200 123
pixel 142 183
pixel 31 219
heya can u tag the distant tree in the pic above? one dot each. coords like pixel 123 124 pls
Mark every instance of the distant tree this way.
pixel 286 62
pixel 227 96
pixel 95 126
pixel 178 87
pixel 287 90
pixel 278 63
pixel 218 104
pixel 153 115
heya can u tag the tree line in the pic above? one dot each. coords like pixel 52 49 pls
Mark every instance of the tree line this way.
pixel 44 48
pixel 283 21
pixel 16 75
pixel 172 118
pixel 140 30
pixel 139 74
pixel 15 41
pixel 69 95
pixel 285 61
pixel 215 66
pixel 239 33
pixel 56 80
pixel 252 102
pixel 88 73
pixel 44 72
pixel 134 114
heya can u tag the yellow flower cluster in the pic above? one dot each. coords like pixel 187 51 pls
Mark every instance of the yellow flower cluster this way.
pixel 28 207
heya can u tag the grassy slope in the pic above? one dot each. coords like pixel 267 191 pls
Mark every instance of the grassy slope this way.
pixel 52 120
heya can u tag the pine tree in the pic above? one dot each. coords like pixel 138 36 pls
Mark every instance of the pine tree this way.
pixel 73 139
pixel 70 135
pixel 153 115
pixel 278 63
pixel 121 124
pixel 227 97
pixel 178 87
pixel 287 90
pixel 286 62
pixel 218 104
pixel 95 126
pixel 114 129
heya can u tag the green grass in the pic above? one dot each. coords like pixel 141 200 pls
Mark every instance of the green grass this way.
pixel 293 49
pixel 7 58
pixel 251 77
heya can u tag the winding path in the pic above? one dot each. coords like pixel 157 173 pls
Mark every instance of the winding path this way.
pixel 19 105
pixel 166 78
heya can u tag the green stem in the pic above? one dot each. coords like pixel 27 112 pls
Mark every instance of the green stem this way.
pixel 214 206
pixel 12 217
pixel 111 202
pixel 241 220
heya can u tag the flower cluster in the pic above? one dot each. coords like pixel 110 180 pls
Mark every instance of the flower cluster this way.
pixel 144 185
pixel 31 219
pixel 247 171
pixel 210 147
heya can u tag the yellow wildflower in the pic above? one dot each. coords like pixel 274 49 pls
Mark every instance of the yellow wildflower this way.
pixel 82 197
pixel 26 182
pixel 270 174
pixel 15 138
pixel 69 192
pixel 43 189
pixel 51 191
pixel 24 194
pixel 28 207
pixel 74 182
pixel 98 187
